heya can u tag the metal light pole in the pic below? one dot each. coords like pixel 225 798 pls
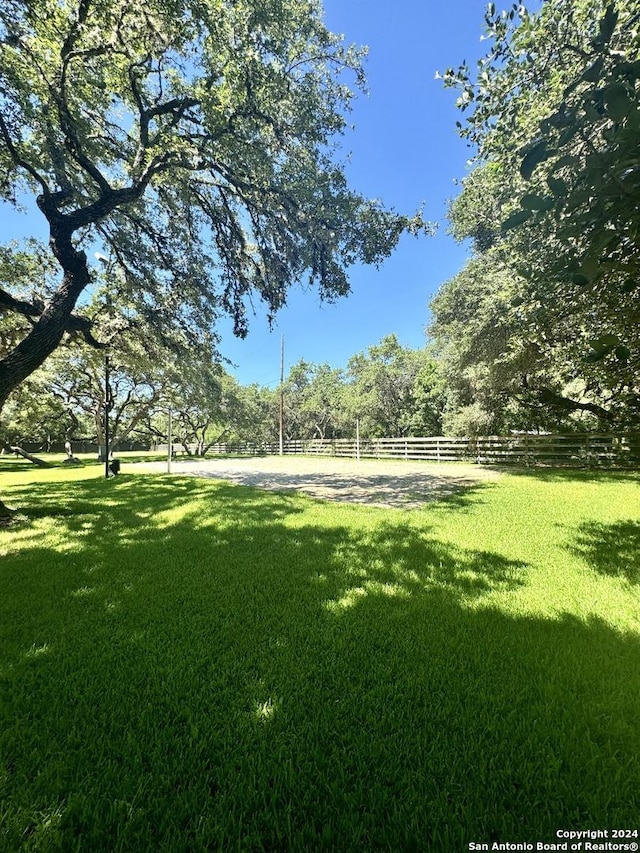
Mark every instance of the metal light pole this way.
pixel 169 449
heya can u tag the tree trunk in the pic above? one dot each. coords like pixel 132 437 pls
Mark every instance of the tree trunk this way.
pixel 47 332
pixel 40 462
pixel 50 327
pixel 6 514
pixel 549 397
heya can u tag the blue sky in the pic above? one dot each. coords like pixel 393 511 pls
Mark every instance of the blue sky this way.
pixel 404 150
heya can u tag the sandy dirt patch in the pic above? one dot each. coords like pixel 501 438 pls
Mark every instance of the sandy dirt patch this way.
pixel 377 483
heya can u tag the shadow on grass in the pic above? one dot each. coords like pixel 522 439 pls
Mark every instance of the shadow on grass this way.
pixel 11 465
pixel 577 475
pixel 208 667
pixel 611 549
pixel 119 502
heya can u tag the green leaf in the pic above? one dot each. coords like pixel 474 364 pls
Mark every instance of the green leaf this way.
pixel 631 177
pixel 580 279
pixel 605 342
pixel 594 110
pixel 563 162
pixel 524 272
pixel 622 352
pixel 601 347
pixel 629 285
pixel 608 24
pixel 587 271
pixel 534 154
pixel 557 186
pixel 591 75
pixel 567 134
pixel 594 71
pixel 531 201
pixel 590 266
pixel 630 70
pixel 617 101
pixel 516 219
pixel 561 118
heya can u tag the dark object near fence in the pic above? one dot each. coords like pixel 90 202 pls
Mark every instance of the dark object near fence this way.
pixel 114 466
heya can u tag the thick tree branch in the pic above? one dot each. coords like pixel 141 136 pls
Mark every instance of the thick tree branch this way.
pixel 20 306
pixel 551 398
pixel 75 322
pixel 84 326
pixel 35 459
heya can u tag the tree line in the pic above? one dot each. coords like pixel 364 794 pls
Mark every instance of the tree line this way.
pixel 388 389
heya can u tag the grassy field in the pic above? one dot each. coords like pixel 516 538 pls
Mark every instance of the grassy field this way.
pixel 187 665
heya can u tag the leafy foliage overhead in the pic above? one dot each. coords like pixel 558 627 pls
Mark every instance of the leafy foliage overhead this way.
pixel 557 103
pixel 553 202
pixel 193 141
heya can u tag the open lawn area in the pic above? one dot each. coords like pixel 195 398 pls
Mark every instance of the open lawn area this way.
pixel 191 665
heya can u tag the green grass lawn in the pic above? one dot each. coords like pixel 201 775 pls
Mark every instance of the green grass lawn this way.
pixel 187 665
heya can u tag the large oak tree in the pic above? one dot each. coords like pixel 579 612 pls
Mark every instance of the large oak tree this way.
pixel 190 141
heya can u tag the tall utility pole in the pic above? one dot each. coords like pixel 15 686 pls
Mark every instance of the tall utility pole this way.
pixel 282 396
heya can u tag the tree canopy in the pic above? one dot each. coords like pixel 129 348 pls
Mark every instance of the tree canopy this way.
pixel 193 143
pixel 553 205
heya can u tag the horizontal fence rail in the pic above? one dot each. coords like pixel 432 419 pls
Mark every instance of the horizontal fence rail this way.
pixel 577 450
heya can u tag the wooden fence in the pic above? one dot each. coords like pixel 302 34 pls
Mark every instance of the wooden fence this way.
pixel 577 450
